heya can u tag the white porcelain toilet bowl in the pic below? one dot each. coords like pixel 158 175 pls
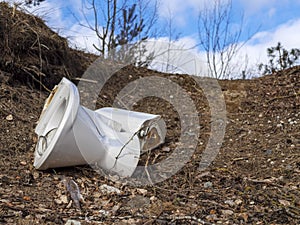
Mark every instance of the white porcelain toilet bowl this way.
pixel 70 134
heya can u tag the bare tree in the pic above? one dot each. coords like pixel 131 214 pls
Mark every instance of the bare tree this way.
pixel 218 38
pixel 103 22
pixel 121 27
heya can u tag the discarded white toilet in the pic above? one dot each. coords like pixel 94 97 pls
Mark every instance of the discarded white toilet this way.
pixel 70 134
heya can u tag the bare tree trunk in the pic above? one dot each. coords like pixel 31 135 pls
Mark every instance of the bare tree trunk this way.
pixel 217 38
pixel 120 27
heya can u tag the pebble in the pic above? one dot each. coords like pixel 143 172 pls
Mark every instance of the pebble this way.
pixel 268 152
pixel 230 203
pixel 106 189
pixel 153 198
pixel 23 163
pixel 9 117
pixel 208 184
pixel 284 202
pixel 35 175
pixel 166 149
pixel 104 212
pixel 238 201
pixel 142 191
pixel 64 199
pixel 227 212
pixel 72 222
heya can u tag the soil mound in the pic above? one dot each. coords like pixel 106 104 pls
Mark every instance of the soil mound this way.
pixel 34 54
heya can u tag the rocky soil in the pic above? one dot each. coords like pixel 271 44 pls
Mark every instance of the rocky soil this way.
pixel 253 180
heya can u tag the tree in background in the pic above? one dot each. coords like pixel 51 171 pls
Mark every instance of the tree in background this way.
pixel 126 43
pixel 279 59
pixel 33 2
pixel 122 28
pixel 218 38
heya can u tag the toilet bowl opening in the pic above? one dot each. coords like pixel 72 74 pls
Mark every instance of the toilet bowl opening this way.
pixel 51 126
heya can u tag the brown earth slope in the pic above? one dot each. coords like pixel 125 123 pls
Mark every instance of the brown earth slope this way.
pixel 253 180
pixel 34 54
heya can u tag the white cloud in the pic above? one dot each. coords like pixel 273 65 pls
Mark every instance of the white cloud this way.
pixel 179 56
pixel 256 49
pixel 250 55
pixel 288 34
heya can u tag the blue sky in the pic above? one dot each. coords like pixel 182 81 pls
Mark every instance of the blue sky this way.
pixel 277 20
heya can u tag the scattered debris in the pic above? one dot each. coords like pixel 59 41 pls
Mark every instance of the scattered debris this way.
pixel 238 201
pixel 73 190
pixel 230 202
pixel 284 202
pixel 227 212
pixel 63 199
pixel 72 222
pixel 23 163
pixel 207 184
pixel 142 191
pixel 106 189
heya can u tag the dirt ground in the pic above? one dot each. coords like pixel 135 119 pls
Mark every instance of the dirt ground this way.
pixel 253 180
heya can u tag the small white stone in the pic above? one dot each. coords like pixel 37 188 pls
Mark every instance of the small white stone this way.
pixel 142 191
pixel 9 117
pixel 238 201
pixel 153 198
pixel 73 222
pixel 208 184
pixel 64 199
pixel 106 189
pixel 230 203
pixel 227 212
